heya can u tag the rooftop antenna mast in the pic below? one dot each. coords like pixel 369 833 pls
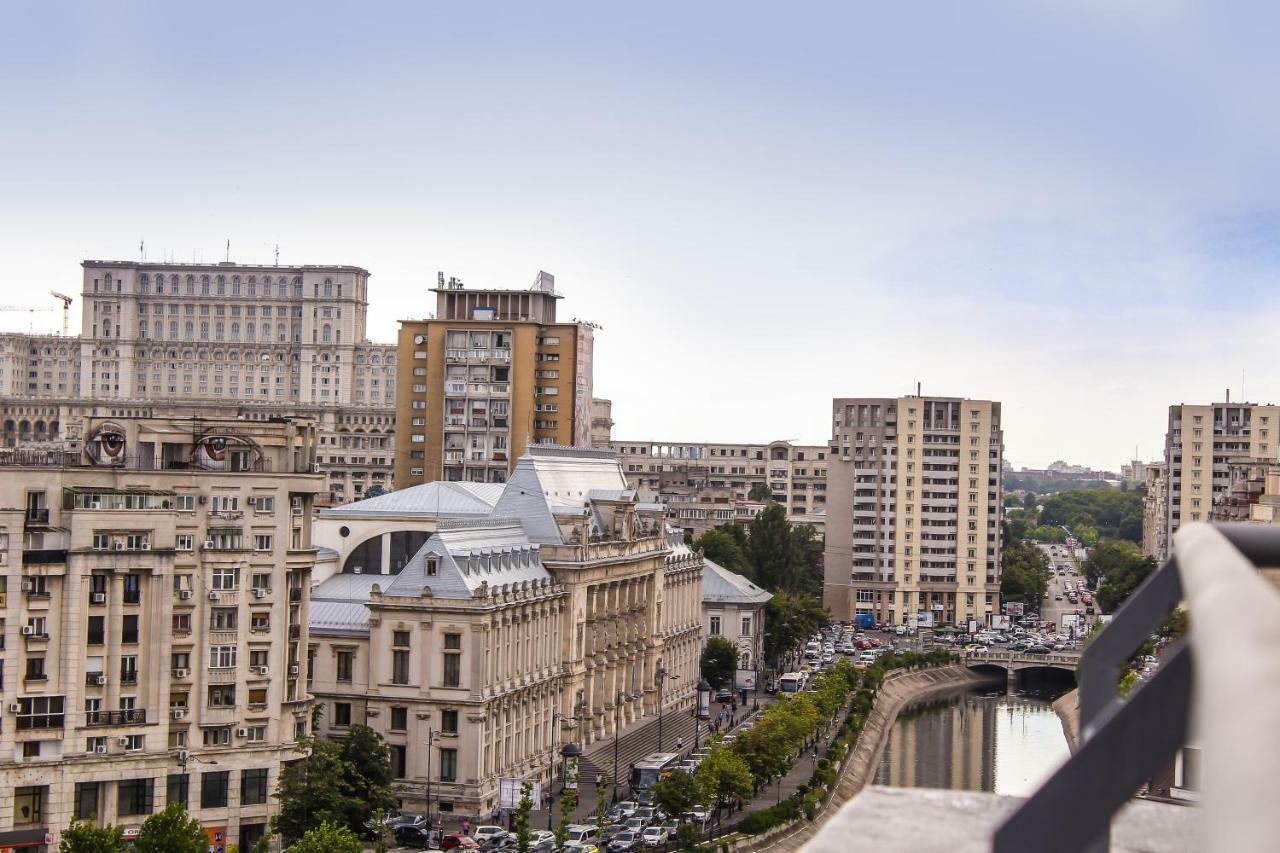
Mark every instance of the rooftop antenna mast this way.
pixel 142 250
pixel 277 254
pixel 228 250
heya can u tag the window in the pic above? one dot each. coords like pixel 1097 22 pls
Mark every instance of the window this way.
pixel 222 657
pixel 346 663
pixel 184 542
pixel 260 622
pixel 35 671
pixel 219 736
pixel 399 760
pixel 449 722
pixel 400 638
pixel 399 667
pixel 448 765
pixel 28 805
pixel 257 734
pixel 253 786
pixel 129 628
pixel 399 719
pixel 132 589
pixel 97 633
pixel 715 626
pixel 746 626
pixel 342 713
pixel 262 542
pixel 134 796
pixel 225 579
pixel 86 807
pixel 182 623
pixel 178 788
pixel 223 619
pixel 261 580
pixel 128 669
pixel 452 660
pixel 213 789
pixel 222 695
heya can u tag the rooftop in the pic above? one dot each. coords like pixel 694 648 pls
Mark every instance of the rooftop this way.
pixel 429 500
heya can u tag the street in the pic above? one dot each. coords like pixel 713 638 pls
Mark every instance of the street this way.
pixel 1052 609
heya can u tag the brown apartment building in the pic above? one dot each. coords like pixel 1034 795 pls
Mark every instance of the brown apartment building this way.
pixel 490 374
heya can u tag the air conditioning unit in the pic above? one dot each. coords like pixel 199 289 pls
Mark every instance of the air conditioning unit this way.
pixel 98 598
pixel 182 756
pixel 259 592
pixel 28 630
pixel 122 741
pixel 100 749
pixel 119 546
pixel 146 546
pixel 263 670
pixel 181 673
pixel 293 672
pixel 184 594
pixel 179 713
pixel 27 586
pixel 213 596
pixel 208 544
pixel 242 732
pixel 357 570
pixel 15 708
pixel 100 679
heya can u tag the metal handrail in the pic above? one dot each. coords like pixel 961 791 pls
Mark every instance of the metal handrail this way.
pixel 1124 742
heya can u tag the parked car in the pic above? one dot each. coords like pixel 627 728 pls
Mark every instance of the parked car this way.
pixel 458 841
pixel 581 833
pixel 1037 650
pixel 655 836
pixel 625 841
pixel 504 841
pixel 487 831
pixel 419 837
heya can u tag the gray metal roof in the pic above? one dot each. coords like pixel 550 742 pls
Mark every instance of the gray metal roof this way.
pixel 550 481
pixel 347 587
pixel 467 557
pixel 431 500
pixel 343 618
pixel 721 586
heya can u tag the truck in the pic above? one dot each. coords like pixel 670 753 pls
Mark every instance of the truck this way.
pixel 864 621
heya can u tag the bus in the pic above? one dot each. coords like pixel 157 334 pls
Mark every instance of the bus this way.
pixel 651 768
pixel 792 682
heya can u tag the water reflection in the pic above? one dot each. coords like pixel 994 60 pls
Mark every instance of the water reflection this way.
pixel 974 741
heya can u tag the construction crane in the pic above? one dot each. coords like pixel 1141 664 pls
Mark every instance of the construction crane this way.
pixel 27 308
pixel 66 310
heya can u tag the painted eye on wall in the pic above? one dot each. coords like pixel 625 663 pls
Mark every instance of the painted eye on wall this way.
pixel 221 452
pixel 106 445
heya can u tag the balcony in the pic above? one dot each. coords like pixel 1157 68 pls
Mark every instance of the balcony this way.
pixel 37 515
pixel 44 556
pixel 99 719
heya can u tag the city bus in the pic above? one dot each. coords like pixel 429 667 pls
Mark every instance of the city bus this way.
pixel 651 768
pixel 792 682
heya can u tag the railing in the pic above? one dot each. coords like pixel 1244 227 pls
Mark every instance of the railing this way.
pixel 44 557
pixel 37 516
pixel 35 458
pixel 1236 701
pixel 135 716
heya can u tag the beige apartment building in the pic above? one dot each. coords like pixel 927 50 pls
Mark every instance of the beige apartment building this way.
pixel 155 598
pixel 216 340
pixel 562 614
pixel 1155 520
pixel 706 485
pixel 1201 443
pixel 914 509
pixel 492 373
pixel 601 423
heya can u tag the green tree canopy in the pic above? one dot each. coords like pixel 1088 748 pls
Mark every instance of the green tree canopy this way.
pixel 726 546
pixel 719 662
pixel 343 783
pixel 760 493
pixel 1117 568
pixel 789 619
pixel 86 838
pixel 1024 573
pixel 723 775
pixel 769 548
pixel 171 830
pixel 1114 513
pixel 328 838
pixel 676 793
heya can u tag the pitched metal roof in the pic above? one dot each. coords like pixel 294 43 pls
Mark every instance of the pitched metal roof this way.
pixel 431 500
pixel 469 557
pixel 343 618
pixel 721 586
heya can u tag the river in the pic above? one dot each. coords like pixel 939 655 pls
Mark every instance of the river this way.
pixel 980 740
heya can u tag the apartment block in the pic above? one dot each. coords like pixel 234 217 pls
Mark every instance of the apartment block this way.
pixel 1155 519
pixel 601 423
pixel 154 588
pixel 914 509
pixel 216 340
pixel 706 485
pixel 492 373
pixel 1201 443
pixel 564 612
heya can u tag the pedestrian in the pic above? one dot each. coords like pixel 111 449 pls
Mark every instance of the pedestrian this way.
pixel 466 826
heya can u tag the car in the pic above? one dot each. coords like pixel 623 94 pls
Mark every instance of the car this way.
pixel 647 814
pixel 636 825
pixel 458 841
pixel 627 808
pixel 487 831
pixel 655 836
pixel 698 815
pixel 505 841
pixel 581 833
pixel 419 837
pixel 724 694
pixel 690 765
pixel 581 847
pixel 400 820
pixel 1037 650
pixel 624 841
pixel 672 826
pixel 610 832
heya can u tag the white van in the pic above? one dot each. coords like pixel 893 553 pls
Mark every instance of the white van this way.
pixel 581 833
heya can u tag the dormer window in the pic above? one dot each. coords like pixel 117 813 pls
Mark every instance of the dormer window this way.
pixel 433 564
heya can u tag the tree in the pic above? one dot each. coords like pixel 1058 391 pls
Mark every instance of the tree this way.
pixel 1122 569
pixel 726 546
pixel 1111 557
pixel 719 661
pixel 723 776
pixel 806 560
pixel 1115 514
pixel 1024 573
pixel 602 804
pixel 171 830
pixel 328 838
pixel 568 802
pixel 788 621
pixel 760 493
pixel 342 783
pixel 87 838
pixel 374 491
pixel 769 548
pixel 676 793
pixel 524 836
pixel 1029 501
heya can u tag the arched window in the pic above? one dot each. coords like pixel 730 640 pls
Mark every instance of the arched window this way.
pixel 297 285
pixel 235 285
pixel 204 285
pixel 328 333
pixel 144 284
pixel 142 329
pixel 188 330
pixel 266 286
pixel 266 331
pixel 248 332
pixel 328 287
pixel 218 330
pixel 235 331
pixel 222 285
pixel 191 285
pixel 106 328
pixel 173 284
pixel 253 285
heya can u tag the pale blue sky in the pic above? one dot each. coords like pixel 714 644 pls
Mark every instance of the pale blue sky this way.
pixel 1070 207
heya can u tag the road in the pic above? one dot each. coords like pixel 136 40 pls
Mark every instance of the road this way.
pixel 1052 610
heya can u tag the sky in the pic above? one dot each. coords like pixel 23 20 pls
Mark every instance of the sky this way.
pixel 1069 207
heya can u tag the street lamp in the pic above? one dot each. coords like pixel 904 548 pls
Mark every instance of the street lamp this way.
pixel 617 727
pixel 431 738
pixel 663 675
pixel 703 709
pixel 569 750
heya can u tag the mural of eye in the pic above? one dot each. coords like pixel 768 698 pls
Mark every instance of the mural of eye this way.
pixel 106 445
pixel 217 451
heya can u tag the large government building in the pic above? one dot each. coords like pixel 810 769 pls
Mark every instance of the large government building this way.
pixel 155 612
pixel 479 628
pixel 914 509
pixel 214 341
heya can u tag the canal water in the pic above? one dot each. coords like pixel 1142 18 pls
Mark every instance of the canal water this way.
pixel 979 740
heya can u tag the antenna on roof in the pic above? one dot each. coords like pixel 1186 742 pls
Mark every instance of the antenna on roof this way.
pixel 277 254
pixel 228 250
pixel 142 250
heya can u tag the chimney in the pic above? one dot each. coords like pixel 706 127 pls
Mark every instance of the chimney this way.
pixel 1228 395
